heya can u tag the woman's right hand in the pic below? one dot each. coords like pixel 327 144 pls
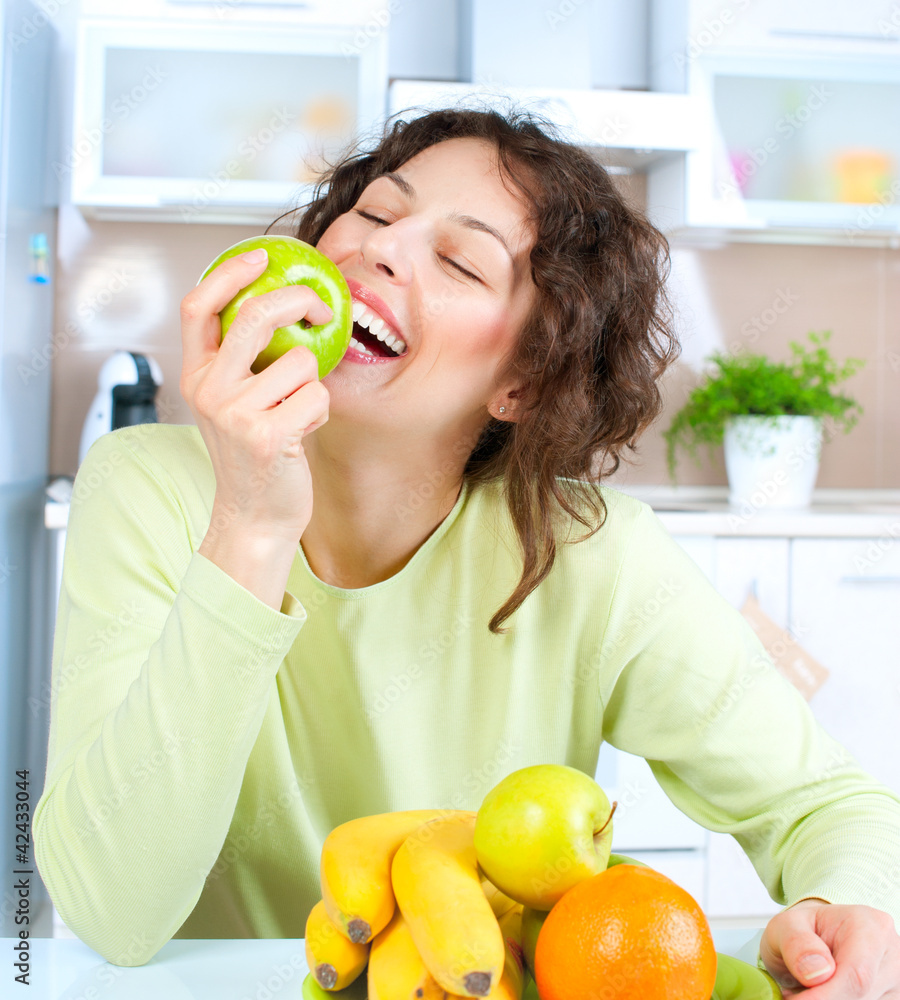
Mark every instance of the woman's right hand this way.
pixel 253 425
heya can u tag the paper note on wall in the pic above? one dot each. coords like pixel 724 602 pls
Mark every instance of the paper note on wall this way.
pixel 789 657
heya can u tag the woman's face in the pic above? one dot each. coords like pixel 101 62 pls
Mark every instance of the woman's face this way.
pixel 440 250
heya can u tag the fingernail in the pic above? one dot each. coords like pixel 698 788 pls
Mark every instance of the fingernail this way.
pixel 255 256
pixel 812 966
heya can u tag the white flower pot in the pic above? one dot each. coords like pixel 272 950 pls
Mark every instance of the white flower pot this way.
pixel 772 461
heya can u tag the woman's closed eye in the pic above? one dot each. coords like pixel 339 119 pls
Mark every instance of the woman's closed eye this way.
pixel 384 222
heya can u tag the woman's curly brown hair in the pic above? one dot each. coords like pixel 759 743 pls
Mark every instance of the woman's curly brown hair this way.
pixel 598 337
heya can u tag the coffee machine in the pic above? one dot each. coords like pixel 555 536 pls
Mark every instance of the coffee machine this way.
pixel 126 394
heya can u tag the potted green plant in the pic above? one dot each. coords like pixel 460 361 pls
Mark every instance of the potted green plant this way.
pixel 769 415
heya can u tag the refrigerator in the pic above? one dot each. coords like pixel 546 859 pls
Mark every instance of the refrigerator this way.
pixel 27 230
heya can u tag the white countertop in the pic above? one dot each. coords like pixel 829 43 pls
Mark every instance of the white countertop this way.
pixel 246 969
pixel 833 513
pixel 704 510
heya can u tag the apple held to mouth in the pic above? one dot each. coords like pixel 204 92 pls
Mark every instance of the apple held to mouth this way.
pixel 293 262
pixel 542 830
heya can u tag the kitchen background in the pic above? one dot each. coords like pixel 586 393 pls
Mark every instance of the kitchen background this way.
pixel 779 199
pixel 120 285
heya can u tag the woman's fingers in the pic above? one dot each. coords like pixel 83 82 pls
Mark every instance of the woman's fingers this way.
pixel 303 411
pixel 281 379
pixel 859 944
pixel 253 438
pixel 257 319
pixel 200 308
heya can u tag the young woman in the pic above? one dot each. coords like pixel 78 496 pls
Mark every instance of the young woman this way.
pixel 387 589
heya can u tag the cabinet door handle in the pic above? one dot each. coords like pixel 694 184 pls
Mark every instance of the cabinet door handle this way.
pixel 871 579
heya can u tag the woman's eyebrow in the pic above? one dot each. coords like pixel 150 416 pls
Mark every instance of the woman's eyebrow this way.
pixel 463 220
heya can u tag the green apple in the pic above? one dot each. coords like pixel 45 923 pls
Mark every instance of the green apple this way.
pixel 293 262
pixel 357 990
pixel 532 922
pixel 531 992
pixel 623 859
pixel 541 830
pixel 737 980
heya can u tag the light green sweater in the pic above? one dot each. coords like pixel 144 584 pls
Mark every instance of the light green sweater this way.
pixel 203 744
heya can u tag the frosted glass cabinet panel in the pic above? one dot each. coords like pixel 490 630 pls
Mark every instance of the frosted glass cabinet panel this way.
pixel 269 114
pixel 800 143
pixel 832 136
pixel 208 123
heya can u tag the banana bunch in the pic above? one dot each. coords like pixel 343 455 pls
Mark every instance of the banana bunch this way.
pixel 403 898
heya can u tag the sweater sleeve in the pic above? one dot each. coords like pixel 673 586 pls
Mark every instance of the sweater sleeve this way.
pixel 162 669
pixel 732 743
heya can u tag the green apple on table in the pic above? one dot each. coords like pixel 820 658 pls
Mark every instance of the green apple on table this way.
pixel 293 262
pixel 542 830
pixel 532 922
pixel 623 859
pixel 357 990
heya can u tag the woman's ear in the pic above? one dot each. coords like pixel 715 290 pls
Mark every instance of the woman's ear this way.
pixel 505 406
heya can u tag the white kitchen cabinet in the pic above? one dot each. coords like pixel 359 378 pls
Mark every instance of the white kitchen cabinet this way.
pixel 795 147
pixel 795 97
pixel 625 130
pixel 841 598
pixel 208 123
pixel 647 825
pixel 702 549
pixel 645 819
pixel 871 26
pixel 684 868
pixel 685 29
pixel 743 566
pixel 733 889
pixel 240 12
pixel 711 866
pixel 758 566
pixel 845 606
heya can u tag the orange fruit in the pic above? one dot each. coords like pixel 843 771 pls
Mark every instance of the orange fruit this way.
pixel 628 933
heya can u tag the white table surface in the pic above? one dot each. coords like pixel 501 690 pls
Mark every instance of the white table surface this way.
pixel 219 969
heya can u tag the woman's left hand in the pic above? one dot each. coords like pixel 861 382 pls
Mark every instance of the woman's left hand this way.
pixel 858 945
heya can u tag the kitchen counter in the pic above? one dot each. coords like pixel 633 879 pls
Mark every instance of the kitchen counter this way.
pixel 245 969
pixel 833 513
pixel 706 511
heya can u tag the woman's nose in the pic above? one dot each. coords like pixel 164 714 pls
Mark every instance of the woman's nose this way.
pixel 389 250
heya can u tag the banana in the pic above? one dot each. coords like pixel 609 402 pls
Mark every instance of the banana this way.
pixel 438 889
pixel 396 970
pixel 355 869
pixel 737 980
pixel 334 960
pixel 312 991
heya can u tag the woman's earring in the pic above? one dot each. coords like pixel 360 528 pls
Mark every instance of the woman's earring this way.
pixel 503 409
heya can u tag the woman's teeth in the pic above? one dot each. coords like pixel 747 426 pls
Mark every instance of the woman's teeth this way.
pixel 368 320
pixel 357 346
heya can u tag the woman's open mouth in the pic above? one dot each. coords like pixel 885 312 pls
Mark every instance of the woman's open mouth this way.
pixel 372 339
